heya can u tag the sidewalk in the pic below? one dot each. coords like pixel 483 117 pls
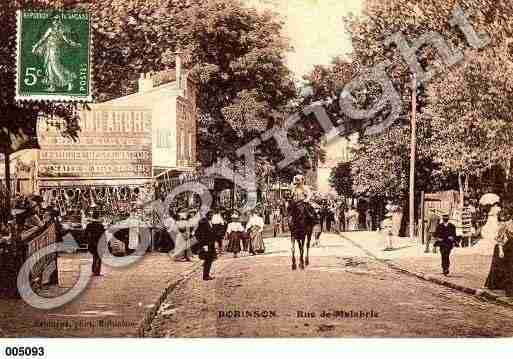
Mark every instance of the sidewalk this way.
pixel 117 304
pixel 469 269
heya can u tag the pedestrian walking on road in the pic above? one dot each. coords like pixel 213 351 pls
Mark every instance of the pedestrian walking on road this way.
pixel 94 231
pixel 219 229
pixel 183 243
pixel 317 230
pixel 386 227
pixel 446 236
pixel 234 235
pixel 352 218
pixel 342 218
pixel 254 229
pixel 206 237
pixel 432 225
pixel 276 221
pixel 368 219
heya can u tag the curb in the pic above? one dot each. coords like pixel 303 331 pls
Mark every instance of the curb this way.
pixel 482 294
pixel 146 321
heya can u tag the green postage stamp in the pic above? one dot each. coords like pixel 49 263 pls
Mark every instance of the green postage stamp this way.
pixel 53 56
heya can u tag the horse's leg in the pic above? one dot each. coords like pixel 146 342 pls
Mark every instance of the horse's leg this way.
pixel 301 244
pixel 293 248
pixel 308 240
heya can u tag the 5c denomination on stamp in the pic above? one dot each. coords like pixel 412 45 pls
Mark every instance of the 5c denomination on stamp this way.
pixel 53 56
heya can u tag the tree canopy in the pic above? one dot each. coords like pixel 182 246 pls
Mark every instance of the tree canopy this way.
pixel 462 112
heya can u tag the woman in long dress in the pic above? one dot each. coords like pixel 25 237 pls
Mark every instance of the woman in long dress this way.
pixel 234 235
pixel 254 229
pixel 183 247
pixel 501 269
pixel 51 47
pixel 219 228
pixel 489 231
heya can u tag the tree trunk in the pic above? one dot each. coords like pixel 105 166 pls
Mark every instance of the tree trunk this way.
pixel 460 187
pixel 7 187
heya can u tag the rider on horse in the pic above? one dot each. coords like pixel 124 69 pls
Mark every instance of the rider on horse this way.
pixel 301 218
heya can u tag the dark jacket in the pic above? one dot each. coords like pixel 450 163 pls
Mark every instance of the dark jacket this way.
pixel 205 236
pixel 446 235
pixel 94 232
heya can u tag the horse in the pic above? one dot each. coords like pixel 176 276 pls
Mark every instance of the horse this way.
pixel 302 221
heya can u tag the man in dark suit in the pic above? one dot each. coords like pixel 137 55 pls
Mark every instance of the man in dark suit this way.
pixel 206 239
pixel 94 232
pixel 446 236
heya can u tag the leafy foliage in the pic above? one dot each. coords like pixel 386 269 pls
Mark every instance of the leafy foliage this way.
pixel 341 179
pixel 470 112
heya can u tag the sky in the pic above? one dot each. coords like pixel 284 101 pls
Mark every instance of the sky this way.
pixel 315 29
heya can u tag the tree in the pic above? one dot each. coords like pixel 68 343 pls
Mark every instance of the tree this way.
pixel 18 120
pixel 341 179
pixel 414 19
pixel 470 112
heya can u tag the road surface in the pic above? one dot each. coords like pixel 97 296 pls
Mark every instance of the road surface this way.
pixel 342 293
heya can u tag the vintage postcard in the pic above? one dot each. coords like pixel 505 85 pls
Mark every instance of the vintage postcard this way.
pixel 256 169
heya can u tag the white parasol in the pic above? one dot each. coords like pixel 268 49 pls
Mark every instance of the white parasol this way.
pixel 489 198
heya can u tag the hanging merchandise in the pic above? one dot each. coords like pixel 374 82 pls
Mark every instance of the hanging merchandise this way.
pixel 124 194
pixel 92 203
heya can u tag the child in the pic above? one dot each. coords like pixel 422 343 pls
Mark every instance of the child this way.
pixel 386 227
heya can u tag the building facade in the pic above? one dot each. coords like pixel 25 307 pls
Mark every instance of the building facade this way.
pixel 126 142
pixel 337 150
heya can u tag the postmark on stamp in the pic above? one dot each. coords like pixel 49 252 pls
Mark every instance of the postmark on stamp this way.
pixel 53 56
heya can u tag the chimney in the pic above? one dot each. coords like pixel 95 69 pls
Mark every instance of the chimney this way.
pixel 145 82
pixel 178 68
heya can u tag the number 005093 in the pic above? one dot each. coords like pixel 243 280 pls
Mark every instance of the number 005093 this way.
pixel 24 351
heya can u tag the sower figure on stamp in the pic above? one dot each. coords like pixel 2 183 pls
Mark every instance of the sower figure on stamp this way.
pixel 51 47
pixel 206 237
pixel 446 235
pixel 94 232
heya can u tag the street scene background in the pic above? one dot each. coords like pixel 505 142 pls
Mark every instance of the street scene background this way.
pixel 305 168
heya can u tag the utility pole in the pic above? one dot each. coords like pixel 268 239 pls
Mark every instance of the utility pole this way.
pixel 413 145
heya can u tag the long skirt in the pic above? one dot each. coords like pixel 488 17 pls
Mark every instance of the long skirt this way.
pixel 256 241
pixel 501 270
pixel 496 276
pixel 234 242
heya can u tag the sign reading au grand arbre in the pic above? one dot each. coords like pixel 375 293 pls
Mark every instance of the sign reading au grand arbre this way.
pixel 112 143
